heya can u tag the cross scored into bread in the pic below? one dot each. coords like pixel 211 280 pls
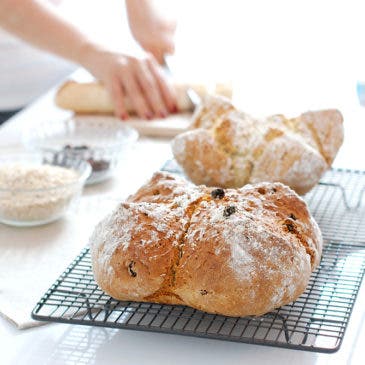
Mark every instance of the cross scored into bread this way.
pixel 228 148
pixel 234 252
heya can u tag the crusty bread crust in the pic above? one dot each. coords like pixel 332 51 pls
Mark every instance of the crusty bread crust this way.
pixel 228 148
pixel 84 98
pixel 232 252
pixel 93 98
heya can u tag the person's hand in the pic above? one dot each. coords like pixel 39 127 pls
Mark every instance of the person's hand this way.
pixel 140 80
pixel 154 32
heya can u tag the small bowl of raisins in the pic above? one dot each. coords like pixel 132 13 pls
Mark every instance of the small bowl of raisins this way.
pixel 100 141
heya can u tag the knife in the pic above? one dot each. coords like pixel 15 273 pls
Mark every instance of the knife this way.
pixel 192 95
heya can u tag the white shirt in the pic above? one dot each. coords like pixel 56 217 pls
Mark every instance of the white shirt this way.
pixel 26 72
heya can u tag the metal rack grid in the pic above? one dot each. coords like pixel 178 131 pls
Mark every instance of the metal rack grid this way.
pixel 316 321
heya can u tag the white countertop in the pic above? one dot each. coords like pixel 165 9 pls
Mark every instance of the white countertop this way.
pixel 72 344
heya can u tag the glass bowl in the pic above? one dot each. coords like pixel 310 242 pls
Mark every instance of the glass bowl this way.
pixel 33 206
pixel 99 140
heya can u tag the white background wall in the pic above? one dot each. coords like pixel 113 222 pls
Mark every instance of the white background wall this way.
pixel 282 55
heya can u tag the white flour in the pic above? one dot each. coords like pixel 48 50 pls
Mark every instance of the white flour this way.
pixel 24 194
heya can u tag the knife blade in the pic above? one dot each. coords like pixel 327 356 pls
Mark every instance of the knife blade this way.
pixel 192 95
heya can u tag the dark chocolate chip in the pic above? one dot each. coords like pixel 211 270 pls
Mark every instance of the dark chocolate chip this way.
pixel 217 193
pixel 229 211
pixel 130 269
pixel 292 216
pixel 203 292
pixel 290 227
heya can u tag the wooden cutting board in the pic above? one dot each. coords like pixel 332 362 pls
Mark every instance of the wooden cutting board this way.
pixel 168 127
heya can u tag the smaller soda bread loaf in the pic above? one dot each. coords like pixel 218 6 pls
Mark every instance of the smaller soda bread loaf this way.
pixel 93 98
pixel 228 148
pixel 232 252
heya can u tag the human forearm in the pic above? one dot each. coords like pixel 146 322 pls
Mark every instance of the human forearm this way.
pixel 139 79
pixel 39 25
pixel 152 29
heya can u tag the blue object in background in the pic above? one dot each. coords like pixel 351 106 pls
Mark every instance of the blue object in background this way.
pixel 360 88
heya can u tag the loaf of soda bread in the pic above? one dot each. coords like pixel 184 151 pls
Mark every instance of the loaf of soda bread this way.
pixel 228 148
pixel 234 252
pixel 93 97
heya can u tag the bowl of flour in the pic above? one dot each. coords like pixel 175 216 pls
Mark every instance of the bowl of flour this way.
pixel 36 189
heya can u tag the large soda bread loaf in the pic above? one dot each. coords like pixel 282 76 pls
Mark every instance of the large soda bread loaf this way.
pixel 233 252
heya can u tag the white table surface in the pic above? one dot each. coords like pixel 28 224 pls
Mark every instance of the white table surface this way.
pixel 71 344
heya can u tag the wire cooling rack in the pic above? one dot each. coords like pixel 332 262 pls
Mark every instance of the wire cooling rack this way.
pixel 316 321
